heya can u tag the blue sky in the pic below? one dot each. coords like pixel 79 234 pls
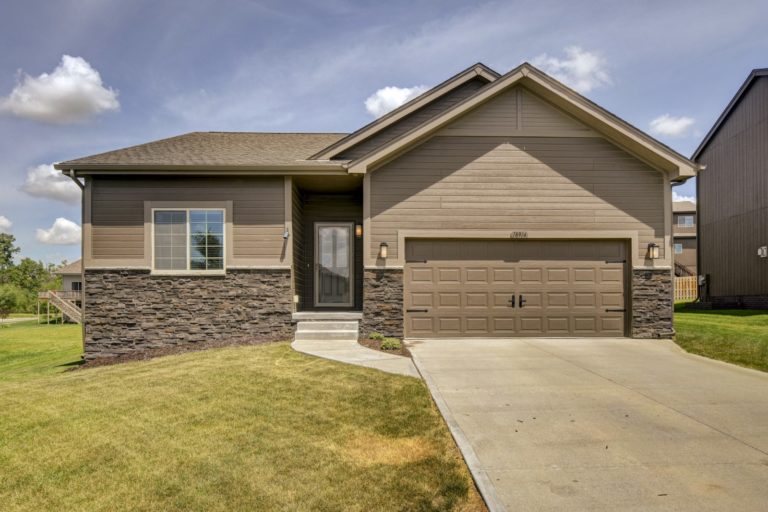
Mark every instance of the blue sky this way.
pixel 142 70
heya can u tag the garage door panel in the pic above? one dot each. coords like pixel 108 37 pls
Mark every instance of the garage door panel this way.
pixel 467 288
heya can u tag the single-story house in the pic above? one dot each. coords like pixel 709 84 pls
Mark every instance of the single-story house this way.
pixel 732 192
pixel 490 206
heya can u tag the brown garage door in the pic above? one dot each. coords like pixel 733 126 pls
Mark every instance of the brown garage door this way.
pixel 496 288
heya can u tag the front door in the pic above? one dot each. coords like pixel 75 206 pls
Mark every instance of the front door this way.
pixel 333 264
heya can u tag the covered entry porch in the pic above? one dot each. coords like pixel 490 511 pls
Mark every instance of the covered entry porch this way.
pixel 327 222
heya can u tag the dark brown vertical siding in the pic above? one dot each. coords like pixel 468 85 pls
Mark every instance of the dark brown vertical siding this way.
pixel 299 263
pixel 330 208
pixel 733 197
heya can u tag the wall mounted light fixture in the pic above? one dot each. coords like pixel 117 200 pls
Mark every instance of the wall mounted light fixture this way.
pixel 383 250
pixel 653 251
pixel 358 230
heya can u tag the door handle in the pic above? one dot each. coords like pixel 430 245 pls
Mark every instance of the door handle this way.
pixel 417 310
pixel 521 301
pixel 512 301
pixel 617 310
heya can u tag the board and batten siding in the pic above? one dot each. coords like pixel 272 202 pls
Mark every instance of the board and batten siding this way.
pixel 482 173
pixel 733 199
pixel 117 214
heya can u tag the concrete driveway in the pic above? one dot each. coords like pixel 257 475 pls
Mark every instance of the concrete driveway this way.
pixel 602 424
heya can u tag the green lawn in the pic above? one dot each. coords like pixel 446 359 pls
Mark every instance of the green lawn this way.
pixel 28 349
pixel 240 428
pixel 734 336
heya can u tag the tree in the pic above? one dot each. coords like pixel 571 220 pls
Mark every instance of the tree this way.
pixel 8 250
pixel 10 298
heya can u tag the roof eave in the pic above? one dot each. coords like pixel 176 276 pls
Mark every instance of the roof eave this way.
pixel 96 168
pixel 677 167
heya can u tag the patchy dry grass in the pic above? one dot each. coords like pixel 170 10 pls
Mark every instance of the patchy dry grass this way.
pixel 242 428
pixel 735 336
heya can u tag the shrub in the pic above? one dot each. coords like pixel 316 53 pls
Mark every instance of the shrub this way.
pixel 391 344
pixel 376 336
pixel 10 298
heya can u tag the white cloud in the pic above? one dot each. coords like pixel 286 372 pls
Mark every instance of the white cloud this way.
pixel 5 224
pixel 678 197
pixel 62 232
pixel 72 92
pixel 389 98
pixel 671 126
pixel 45 181
pixel 580 69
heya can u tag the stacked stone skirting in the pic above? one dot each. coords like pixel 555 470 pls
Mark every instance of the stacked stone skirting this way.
pixel 382 302
pixel 652 304
pixel 129 310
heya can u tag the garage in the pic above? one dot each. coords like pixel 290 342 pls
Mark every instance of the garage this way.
pixel 501 288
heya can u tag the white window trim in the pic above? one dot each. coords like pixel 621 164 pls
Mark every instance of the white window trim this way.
pixel 188 270
pixel 675 246
pixel 684 224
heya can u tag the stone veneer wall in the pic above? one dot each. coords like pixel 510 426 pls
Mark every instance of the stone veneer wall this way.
pixel 652 304
pixel 128 310
pixel 382 302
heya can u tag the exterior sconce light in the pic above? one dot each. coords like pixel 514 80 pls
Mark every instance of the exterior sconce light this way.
pixel 358 230
pixel 383 250
pixel 286 234
pixel 653 251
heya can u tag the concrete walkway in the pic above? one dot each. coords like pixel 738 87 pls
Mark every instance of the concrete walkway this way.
pixel 602 424
pixel 353 353
pixel 8 321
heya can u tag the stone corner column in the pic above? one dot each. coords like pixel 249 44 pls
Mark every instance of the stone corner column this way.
pixel 382 302
pixel 652 303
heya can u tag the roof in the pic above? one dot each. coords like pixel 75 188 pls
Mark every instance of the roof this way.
pixel 76 267
pixel 215 150
pixel 476 70
pixel 614 128
pixel 683 206
pixel 728 109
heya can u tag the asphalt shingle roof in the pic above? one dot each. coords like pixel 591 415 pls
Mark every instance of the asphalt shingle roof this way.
pixel 218 149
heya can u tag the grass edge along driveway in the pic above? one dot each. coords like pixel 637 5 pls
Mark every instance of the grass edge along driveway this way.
pixel 241 428
pixel 734 336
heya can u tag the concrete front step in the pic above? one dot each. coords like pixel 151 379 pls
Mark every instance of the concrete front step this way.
pixel 326 326
pixel 325 335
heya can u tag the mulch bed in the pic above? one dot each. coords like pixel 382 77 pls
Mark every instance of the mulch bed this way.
pixel 376 345
pixel 151 353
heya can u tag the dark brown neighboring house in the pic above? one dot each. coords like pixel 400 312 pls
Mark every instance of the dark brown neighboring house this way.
pixel 491 205
pixel 684 237
pixel 733 200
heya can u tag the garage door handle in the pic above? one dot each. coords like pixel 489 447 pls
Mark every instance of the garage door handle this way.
pixel 521 301
pixel 616 310
pixel 417 310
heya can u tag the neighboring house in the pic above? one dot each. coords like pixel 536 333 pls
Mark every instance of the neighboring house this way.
pixel 71 276
pixel 732 195
pixel 684 234
pixel 488 206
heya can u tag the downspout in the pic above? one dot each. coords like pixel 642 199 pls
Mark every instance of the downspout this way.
pixel 73 176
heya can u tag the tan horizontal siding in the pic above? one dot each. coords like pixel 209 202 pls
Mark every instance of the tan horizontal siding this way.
pixel 118 212
pixel 543 183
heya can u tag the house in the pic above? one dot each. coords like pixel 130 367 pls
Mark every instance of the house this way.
pixel 491 205
pixel 684 237
pixel 71 276
pixel 732 195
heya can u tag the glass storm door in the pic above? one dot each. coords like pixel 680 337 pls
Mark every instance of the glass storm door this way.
pixel 333 264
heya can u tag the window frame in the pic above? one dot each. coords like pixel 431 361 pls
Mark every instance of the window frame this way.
pixel 684 224
pixel 675 246
pixel 188 245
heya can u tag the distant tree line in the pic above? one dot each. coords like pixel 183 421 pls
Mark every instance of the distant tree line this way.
pixel 20 282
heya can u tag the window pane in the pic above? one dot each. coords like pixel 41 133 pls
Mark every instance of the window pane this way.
pixel 206 239
pixel 170 240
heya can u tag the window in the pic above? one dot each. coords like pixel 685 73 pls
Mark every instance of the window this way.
pixel 685 221
pixel 77 286
pixel 188 239
pixel 678 248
